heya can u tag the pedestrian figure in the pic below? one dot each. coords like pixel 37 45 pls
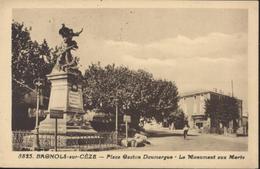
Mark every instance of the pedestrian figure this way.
pixel 185 131
pixel 171 126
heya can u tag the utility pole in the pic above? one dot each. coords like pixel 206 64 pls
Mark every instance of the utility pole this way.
pixel 38 83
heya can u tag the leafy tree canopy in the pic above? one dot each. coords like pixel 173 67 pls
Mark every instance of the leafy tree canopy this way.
pixel 222 109
pixel 137 93
pixel 30 60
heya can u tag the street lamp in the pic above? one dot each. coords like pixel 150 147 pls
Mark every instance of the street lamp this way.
pixel 116 130
pixel 38 83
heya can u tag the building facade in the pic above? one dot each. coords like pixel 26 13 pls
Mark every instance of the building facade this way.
pixel 193 105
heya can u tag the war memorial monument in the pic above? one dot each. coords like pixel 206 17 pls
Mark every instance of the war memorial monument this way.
pixel 66 99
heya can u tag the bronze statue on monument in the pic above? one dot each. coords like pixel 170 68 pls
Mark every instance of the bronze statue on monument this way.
pixel 65 61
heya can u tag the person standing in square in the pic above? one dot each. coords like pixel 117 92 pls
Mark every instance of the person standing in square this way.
pixel 185 131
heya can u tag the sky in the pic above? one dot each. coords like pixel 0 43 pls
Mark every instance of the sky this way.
pixel 195 48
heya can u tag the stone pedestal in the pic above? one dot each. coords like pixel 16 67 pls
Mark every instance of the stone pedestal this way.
pixel 66 97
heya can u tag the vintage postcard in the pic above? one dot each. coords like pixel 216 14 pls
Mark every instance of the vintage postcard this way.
pixel 129 84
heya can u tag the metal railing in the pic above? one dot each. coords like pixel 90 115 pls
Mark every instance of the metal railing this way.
pixel 23 141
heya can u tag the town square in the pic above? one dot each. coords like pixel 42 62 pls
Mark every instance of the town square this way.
pixel 129 80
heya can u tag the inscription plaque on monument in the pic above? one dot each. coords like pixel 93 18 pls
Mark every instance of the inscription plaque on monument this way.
pixel 75 100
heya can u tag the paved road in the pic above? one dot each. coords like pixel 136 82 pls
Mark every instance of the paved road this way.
pixel 167 141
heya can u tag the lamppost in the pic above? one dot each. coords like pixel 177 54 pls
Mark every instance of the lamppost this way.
pixel 38 83
pixel 116 129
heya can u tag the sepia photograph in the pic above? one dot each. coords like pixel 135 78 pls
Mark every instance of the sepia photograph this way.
pixel 114 80
pixel 129 79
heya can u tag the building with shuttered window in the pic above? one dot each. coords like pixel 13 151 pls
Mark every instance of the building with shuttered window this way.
pixel 193 105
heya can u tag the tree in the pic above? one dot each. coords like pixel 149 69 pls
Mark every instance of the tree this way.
pixel 164 99
pixel 27 60
pixel 30 60
pixel 222 109
pixel 230 111
pixel 178 118
pixel 136 92
pixel 212 110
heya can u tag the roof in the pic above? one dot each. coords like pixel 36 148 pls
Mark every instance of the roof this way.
pixel 194 92
pixel 202 91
